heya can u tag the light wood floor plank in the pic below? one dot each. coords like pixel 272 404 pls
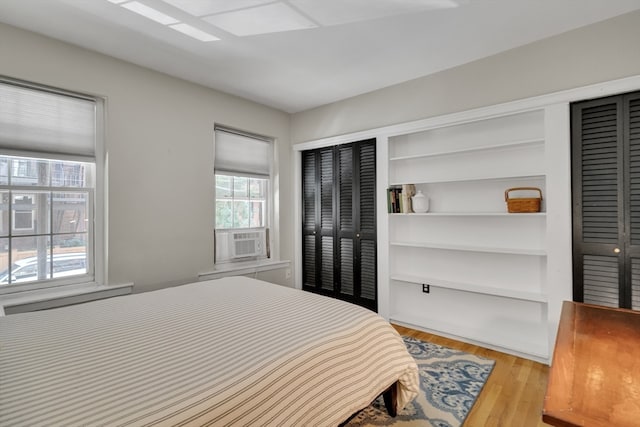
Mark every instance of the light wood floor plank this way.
pixel 514 393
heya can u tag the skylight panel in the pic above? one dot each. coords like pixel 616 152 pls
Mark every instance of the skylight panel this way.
pixel 151 13
pixel 271 18
pixel 336 12
pixel 194 32
pixel 210 7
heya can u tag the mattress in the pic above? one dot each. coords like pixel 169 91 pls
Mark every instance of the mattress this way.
pixel 233 351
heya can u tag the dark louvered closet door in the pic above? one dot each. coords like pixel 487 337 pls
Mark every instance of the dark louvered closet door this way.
pixel 367 225
pixel 327 225
pixel 309 223
pixel 343 233
pixel 346 223
pixel 631 113
pixel 597 201
pixel 606 201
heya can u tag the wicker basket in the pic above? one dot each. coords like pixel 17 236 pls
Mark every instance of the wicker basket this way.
pixel 523 204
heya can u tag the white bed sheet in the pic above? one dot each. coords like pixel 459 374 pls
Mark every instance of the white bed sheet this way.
pixel 233 351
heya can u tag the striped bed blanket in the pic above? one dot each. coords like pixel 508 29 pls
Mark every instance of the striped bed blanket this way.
pixel 234 351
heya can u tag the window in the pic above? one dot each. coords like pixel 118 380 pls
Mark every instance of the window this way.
pixel 47 187
pixel 240 202
pixel 23 212
pixel 242 195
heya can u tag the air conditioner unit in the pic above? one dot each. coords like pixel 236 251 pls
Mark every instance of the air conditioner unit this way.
pixel 246 243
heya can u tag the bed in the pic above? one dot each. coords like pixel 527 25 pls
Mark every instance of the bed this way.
pixel 233 351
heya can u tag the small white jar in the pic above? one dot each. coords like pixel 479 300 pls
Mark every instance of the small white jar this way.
pixel 420 202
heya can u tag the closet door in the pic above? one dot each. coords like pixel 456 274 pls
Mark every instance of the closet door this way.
pixel 356 249
pixel 366 261
pixel 318 221
pixel 339 223
pixel 631 113
pixel 606 201
pixel 309 214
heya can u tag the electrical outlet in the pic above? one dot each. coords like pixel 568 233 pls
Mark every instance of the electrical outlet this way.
pixel 287 273
pixel 426 288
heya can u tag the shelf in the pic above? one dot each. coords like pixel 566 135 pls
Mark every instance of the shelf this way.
pixel 500 214
pixel 471 248
pixel 514 336
pixel 540 175
pixel 465 167
pixel 471 150
pixel 467 287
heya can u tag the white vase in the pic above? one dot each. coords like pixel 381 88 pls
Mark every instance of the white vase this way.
pixel 420 202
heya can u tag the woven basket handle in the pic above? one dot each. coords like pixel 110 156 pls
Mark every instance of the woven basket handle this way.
pixel 506 193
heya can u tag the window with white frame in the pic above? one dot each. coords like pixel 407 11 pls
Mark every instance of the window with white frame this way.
pixel 47 187
pixel 242 195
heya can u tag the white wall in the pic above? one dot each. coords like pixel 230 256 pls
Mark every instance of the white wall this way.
pixel 159 142
pixel 600 52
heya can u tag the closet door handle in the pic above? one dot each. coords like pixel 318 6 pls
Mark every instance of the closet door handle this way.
pixel 616 251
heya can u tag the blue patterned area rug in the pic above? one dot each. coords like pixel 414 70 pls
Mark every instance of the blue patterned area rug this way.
pixel 450 381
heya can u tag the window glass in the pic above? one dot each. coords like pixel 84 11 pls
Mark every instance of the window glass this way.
pixel 53 219
pixel 69 174
pixel 240 214
pixel 30 212
pixel 4 213
pixel 70 212
pixel 26 171
pixel 241 202
pixel 30 258
pixel 224 187
pixel 4 171
pixel 256 218
pixel 240 187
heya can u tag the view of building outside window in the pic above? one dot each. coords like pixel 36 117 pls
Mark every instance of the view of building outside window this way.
pixel 240 202
pixel 45 219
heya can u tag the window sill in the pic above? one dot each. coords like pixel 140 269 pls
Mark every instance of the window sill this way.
pixel 242 268
pixel 42 299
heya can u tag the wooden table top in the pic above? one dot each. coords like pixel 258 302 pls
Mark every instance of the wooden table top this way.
pixel 594 378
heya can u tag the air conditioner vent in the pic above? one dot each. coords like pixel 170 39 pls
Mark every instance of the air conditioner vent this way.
pixel 247 244
pixel 234 244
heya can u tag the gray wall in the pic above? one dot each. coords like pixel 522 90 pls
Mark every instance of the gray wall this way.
pixel 161 214
pixel 159 142
pixel 600 52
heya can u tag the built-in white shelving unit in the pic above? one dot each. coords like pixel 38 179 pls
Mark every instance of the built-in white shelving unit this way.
pixel 486 268
pixel 464 161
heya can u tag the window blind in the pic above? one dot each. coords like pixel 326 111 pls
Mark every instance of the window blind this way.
pixel 241 153
pixel 52 124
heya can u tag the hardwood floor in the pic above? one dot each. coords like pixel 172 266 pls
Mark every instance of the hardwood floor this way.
pixel 514 392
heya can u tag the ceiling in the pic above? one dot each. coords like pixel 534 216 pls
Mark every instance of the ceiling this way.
pixel 299 54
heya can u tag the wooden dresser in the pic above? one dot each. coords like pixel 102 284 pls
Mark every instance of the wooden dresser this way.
pixel 595 373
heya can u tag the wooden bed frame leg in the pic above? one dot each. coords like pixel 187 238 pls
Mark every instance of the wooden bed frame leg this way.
pixel 390 397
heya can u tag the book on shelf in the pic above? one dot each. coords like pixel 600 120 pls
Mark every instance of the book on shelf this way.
pixel 391 200
pixel 399 198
